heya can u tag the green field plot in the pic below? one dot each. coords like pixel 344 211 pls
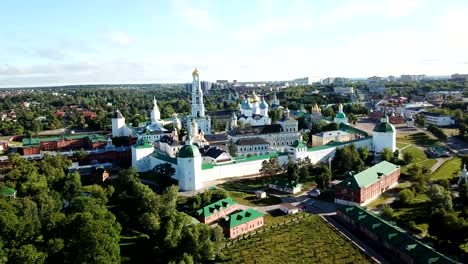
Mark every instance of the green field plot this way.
pixel 309 240
pixel 448 170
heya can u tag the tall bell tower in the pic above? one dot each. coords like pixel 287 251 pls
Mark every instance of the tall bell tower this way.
pixel 198 107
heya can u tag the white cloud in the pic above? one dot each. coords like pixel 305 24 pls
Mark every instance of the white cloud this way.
pixel 196 15
pixel 121 39
pixel 351 9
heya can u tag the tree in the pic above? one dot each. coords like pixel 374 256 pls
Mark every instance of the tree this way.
pixel 164 170
pixel 440 198
pixel 387 154
pixel 387 212
pixel 271 167
pixel 80 155
pixel 420 120
pixel 232 149
pixel 292 171
pixel 406 196
pixel 364 153
pixel 408 157
pixel 352 118
pixel 92 233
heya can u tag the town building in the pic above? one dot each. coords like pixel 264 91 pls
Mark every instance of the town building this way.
pixel 242 222
pixel 289 208
pixel 343 90
pixel 459 77
pixel 285 185
pixel 362 188
pixel 61 143
pixel 438 119
pixel 260 194
pixel 392 242
pixel 217 210
pixel 326 137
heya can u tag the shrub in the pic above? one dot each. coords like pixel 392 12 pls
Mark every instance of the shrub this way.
pixel 406 196
pixel 387 212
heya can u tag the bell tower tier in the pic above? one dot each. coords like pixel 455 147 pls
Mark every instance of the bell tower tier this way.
pixel 198 107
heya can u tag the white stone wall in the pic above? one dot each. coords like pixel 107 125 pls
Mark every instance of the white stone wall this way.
pixel 141 158
pixel 383 140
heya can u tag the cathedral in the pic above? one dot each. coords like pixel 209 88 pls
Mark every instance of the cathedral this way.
pixel 254 111
pixel 256 140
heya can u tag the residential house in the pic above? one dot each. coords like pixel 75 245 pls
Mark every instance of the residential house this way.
pixel 365 186
pixel 242 222
pixel 217 210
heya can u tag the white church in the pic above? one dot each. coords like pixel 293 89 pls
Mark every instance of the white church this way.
pixel 193 170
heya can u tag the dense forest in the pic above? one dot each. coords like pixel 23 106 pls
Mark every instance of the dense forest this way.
pixel 54 219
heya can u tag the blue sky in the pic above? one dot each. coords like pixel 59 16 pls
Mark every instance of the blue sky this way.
pixel 45 42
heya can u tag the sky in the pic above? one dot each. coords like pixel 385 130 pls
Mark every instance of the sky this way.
pixel 55 42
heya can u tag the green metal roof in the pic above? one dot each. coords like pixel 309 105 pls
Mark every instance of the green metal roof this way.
pixel 6 191
pixel 188 151
pixel 218 205
pixel 243 217
pixel 340 115
pixel 368 177
pixel 162 156
pixel 298 144
pixel 143 144
pixel 384 127
pixel 395 236
pixel 352 130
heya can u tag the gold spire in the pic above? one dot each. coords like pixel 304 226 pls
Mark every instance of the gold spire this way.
pixel 254 98
pixel 195 72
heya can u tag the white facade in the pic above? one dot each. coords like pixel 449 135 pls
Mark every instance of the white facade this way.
pixel 346 90
pixel 155 114
pixel 198 107
pixel 119 128
pixel 438 120
pixel 141 155
pixel 189 171
pixel 384 135
pixel 254 111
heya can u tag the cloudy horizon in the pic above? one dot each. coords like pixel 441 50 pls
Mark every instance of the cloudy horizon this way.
pixel 50 43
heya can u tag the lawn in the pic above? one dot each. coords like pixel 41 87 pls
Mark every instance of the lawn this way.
pixel 250 199
pixel 420 139
pixel 417 211
pixel 448 170
pixel 419 157
pixel 309 240
pixel 245 185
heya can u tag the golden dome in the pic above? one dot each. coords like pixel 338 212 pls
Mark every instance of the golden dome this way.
pixel 254 98
pixel 195 72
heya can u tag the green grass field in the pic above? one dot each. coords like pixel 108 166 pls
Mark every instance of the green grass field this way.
pixel 310 240
pixel 420 139
pixel 448 170
pixel 419 156
pixel 250 199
